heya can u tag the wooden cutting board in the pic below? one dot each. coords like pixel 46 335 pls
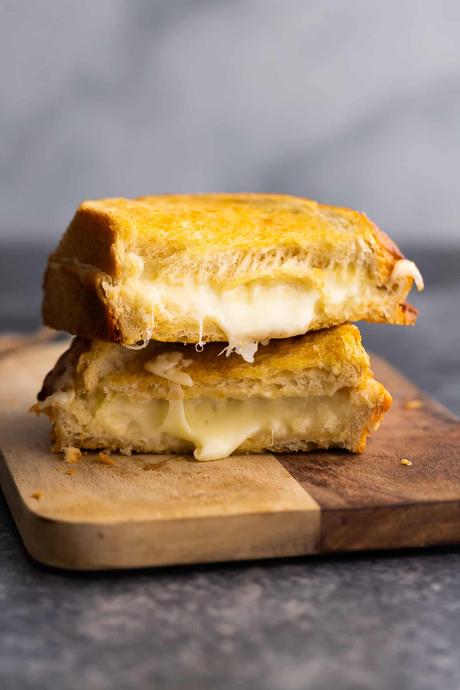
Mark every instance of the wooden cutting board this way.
pixel 157 510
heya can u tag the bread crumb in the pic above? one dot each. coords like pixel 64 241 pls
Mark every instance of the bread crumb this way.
pixel 406 461
pixel 413 404
pixel 71 455
pixel 71 470
pixel 38 495
pixel 104 458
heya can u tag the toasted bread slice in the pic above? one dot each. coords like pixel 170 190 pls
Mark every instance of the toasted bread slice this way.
pixel 237 268
pixel 313 391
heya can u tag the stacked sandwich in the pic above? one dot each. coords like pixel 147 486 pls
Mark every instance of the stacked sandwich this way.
pixel 219 324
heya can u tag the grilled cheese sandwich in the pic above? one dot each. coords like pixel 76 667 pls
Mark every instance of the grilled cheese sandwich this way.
pixel 314 391
pixel 239 269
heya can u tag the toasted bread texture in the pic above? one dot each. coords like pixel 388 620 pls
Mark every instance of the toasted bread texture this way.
pixel 235 268
pixel 312 391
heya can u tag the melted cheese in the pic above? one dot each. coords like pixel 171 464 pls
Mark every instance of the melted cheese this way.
pixel 407 269
pixel 168 366
pixel 246 314
pixel 262 309
pixel 215 428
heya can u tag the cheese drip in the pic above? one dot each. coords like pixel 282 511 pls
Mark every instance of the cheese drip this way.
pixel 258 310
pixel 261 309
pixel 168 366
pixel 247 314
pixel 215 428
pixel 407 269
pixel 215 432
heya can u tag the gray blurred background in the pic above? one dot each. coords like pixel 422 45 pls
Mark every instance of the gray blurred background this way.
pixel 351 102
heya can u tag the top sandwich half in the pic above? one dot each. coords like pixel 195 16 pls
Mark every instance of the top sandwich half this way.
pixel 236 268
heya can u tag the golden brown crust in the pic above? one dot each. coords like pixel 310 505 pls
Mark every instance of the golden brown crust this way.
pixel 379 405
pixel 228 240
pixel 332 358
pixel 61 374
pixel 77 306
pixel 408 314
pixel 387 243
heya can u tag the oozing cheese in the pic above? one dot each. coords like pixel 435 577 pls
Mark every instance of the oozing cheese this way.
pixel 168 366
pixel 248 314
pixel 405 269
pixel 215 428
pixel 261 309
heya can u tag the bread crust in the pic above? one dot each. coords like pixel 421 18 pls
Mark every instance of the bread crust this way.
pixel 229 240
pixel 316 363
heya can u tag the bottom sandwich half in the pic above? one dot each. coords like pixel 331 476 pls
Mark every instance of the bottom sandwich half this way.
pixel 302 393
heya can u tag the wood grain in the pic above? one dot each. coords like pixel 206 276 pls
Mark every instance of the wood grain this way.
pixel 140 510
pixel 372 501
pixel 156 510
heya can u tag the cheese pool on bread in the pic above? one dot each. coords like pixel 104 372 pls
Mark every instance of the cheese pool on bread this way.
pixel 312 391
pixel 239 269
